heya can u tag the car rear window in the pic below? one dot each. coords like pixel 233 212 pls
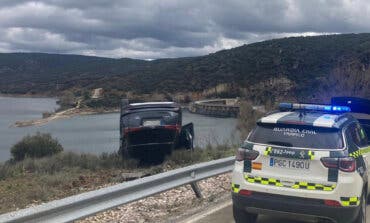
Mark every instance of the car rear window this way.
pixel 297 136
pixel 139 118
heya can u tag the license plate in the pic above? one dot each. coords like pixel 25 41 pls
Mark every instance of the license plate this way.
pixel 295 164
pixel 151 122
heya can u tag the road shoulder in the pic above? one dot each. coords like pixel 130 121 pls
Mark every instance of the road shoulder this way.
pixel 202 213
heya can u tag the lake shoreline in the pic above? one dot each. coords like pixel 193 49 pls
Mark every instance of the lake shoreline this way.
pixel 68 113
pixel 76 111
pixel 28 96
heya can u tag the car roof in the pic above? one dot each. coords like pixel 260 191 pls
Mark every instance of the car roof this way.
pixel 317 119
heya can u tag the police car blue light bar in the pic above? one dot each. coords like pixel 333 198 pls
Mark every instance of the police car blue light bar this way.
pixel 313 107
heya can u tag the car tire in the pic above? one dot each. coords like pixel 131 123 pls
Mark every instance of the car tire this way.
pixel 242 216
pixel 361 218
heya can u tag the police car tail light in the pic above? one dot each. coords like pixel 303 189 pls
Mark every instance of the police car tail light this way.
pixel 347 164
pixel 246 154
pixel 332 203
pixel 245 192
pixel 330 162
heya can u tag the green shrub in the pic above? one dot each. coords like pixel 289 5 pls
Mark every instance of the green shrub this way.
pixel 39 145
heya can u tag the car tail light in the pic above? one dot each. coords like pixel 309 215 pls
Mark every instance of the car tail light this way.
pixel 332 203
pixel 169 127
pixel 347 164
pixel 135 129
pixel 246 154
pixel 330 162
pixel 245 192
pixel 173 127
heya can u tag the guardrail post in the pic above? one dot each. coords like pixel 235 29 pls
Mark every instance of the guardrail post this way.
pixel 195 187
pixel 196 190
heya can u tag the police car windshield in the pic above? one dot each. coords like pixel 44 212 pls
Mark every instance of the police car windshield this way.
pixel 297 136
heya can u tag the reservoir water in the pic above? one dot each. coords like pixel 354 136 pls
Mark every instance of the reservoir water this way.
pixel 93 133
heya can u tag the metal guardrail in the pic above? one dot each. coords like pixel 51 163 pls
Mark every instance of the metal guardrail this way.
pixel 86 204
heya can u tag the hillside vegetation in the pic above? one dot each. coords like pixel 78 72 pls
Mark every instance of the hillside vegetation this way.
pixel 301 68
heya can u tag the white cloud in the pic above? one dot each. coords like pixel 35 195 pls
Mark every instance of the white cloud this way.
pixel 168 28
pixel 29 39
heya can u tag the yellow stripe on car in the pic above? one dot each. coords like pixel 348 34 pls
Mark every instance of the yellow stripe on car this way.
pixel 311 154
pixel 313 186
pixel 350 201
pixel 267 151
pixel 296 185
pixel 263 181
pixel 235 188
pixel 360 152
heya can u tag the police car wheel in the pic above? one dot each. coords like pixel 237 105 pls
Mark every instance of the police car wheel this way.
pixel 361 218
pixel 241 216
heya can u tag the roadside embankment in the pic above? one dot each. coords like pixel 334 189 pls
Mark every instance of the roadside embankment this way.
pixel 34 181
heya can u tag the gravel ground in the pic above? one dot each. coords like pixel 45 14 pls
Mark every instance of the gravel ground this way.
pixel 167 205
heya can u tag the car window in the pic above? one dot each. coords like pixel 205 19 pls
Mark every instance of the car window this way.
pixel 138 118
pixel 357 135
pixel 362 136
pixel 366 132
pixel 297 136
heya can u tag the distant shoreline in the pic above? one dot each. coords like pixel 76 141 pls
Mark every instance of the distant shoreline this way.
pixel 27 96
pixel 69 113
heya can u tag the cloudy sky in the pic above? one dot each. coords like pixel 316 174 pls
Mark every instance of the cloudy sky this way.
pixel 150 29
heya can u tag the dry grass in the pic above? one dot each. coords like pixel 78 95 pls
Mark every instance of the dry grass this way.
pixel 184 157
pixel 33 181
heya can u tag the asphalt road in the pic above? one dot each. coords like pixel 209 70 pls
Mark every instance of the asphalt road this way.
pixel 224 215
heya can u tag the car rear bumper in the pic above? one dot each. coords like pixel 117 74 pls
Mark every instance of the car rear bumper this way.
pixel 150 149
pixel 147 136
pixel 263 203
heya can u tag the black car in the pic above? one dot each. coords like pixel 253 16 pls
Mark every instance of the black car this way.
pixel 153 129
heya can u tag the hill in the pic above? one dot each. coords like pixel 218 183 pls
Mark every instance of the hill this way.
pixel 304 68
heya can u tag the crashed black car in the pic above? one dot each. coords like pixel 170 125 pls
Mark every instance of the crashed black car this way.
pixel 153 129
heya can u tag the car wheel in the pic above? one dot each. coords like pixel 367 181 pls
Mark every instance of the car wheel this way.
pixel 361 218
pixel 241 216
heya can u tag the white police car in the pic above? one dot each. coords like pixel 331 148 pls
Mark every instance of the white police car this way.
pixel 306 160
